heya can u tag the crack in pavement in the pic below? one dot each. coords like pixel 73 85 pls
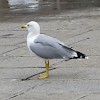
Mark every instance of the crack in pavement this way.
pixel 28 78
pixel 83 97
pixel 12 50
pixel 21 93
pixel 79 41
pixel 24 91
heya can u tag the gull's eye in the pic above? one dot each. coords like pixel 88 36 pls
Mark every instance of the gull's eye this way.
pixel 28 25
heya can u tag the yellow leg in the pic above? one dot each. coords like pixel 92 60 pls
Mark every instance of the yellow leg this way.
pixel 46 74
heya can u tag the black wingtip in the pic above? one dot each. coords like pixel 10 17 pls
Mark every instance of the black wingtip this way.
pixel 80 55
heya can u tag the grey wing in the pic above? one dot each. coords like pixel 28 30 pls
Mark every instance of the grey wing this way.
pixel 54 47
pixel 44 39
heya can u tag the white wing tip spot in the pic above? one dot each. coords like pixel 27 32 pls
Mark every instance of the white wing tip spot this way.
pixel 87 57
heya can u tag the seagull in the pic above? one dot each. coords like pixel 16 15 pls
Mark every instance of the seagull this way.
pixel 48 47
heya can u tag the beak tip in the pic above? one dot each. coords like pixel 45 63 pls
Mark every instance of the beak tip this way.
pixel 24 26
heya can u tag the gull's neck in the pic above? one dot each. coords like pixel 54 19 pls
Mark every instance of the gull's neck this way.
pixel 31 34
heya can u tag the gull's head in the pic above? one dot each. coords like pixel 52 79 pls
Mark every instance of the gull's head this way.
pixel 33 27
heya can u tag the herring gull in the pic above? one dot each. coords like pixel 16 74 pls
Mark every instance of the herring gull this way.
pixel 48 47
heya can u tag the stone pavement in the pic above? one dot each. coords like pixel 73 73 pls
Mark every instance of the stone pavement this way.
pixel 69 80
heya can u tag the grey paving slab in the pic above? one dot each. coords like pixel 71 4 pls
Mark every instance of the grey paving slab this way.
pixel 72 79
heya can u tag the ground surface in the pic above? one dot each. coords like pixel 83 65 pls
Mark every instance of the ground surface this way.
pixel 70 80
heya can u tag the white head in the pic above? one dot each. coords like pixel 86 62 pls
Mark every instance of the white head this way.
pixel 33 27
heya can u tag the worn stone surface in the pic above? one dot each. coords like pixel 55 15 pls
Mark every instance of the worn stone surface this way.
pixel 70 80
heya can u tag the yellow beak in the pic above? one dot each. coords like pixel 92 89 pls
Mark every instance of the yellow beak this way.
pixel 24 26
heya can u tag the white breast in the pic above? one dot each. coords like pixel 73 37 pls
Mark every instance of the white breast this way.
pixel 30 40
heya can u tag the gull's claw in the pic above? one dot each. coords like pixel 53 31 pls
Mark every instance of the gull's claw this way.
pixel 43 76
